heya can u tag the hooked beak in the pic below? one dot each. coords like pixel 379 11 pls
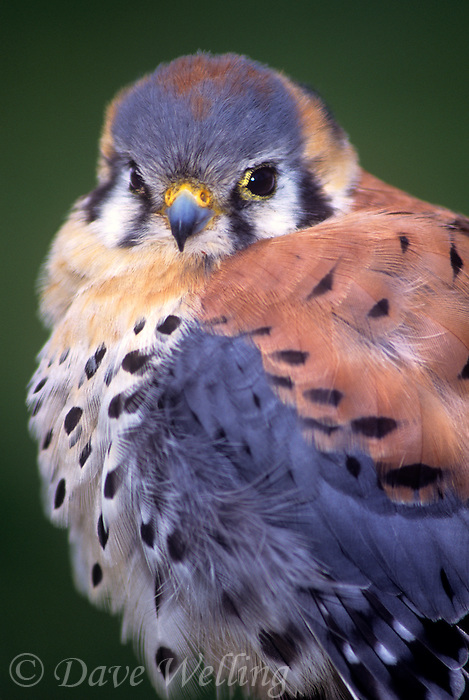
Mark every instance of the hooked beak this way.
pixel 188 211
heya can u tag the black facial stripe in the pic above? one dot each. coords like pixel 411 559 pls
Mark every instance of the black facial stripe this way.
pixel 241 231
pixel 314 206
pixel 99 195
pixel 137 230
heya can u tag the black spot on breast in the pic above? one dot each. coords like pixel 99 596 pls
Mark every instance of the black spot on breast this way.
pixel 40 385
pixel 328 397
pixel 64 356
pixel 374 426
pixel 109 376
pixel 353 466
pixel 456 260
pixel 96 575
pixel 134 361
pixel 85 453
pixel 177 545
pixel 103 534
pixel 280 648
pixel 158 591
pixel 72 419
pixel 448 589
pixel 277 380
pixel 381 308
pixel 313 424
pixel 164 658
pixel 139 326
pixel 115 406
pixel 93 362
pixel 111 484
pixel 228 605
pixel 75 437
pixel 323 286
pixel 404 242
pixel 465 371
pixel 169 325
pixel 291 357
pixel 59 494
pixel 47 439
pixel 413 476
pixel 37 407
pixel 134 401
pixel 147 534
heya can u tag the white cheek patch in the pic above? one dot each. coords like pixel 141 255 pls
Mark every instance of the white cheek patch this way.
pixel 120 218
pixel 118 215
pixel 279 214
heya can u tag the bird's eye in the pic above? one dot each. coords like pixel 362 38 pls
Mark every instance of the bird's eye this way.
pixel 136 182
pixel 259 183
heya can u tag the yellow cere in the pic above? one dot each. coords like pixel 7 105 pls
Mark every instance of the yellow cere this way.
pixel 200 193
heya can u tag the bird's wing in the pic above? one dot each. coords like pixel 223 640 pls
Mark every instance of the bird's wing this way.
pixel 363 327
pixel 307 451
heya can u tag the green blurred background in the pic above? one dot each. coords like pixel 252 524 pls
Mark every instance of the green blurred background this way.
pixel 396 76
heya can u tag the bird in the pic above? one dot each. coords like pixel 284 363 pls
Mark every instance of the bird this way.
pixel 252 412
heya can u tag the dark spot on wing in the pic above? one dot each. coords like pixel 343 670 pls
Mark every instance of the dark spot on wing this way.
pixel 277 380
pixel 404 242
pixel 328 397
pixel 381 308
pixel 413 476
pixel 353 466
pixel 323 286
pixel 456 260
pixel 291 357
pixel 374 426
pixel 465 371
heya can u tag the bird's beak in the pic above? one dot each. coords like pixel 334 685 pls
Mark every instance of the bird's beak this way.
pixel 188 211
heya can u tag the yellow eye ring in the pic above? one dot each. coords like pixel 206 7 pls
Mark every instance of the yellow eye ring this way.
pixel 259 182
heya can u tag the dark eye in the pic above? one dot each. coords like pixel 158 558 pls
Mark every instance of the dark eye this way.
pixel 136 182
pixel 261 181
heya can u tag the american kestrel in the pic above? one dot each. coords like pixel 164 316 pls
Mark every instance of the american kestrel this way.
pixel 253 409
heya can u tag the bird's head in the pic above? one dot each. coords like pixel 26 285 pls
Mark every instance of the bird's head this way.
pixel 210 153
pixel 205 156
